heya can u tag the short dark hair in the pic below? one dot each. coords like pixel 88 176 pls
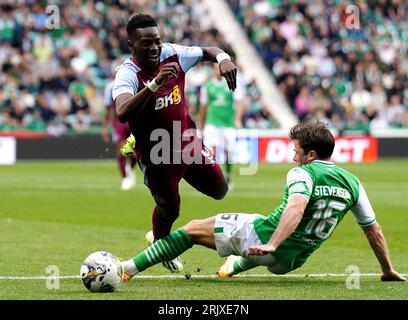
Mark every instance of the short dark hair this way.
pixel 313 135
pixel 139 21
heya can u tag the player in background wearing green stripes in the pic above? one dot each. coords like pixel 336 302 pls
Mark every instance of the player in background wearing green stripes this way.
pixel 317 196
pixel 220 114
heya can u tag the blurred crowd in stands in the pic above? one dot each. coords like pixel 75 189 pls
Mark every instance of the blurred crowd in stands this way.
pixel 54 67
pixel 56 60
pixel 341 61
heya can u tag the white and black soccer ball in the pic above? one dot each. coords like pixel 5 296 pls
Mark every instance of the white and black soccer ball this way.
pixel 101 271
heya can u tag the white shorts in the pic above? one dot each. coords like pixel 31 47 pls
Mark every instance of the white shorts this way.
pixel 221 138
pixel 234 233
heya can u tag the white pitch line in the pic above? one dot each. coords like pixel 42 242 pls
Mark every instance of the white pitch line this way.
pixel 208 276
pixel 38 277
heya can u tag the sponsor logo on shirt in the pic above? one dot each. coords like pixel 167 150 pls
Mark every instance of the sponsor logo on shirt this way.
pixel 173 98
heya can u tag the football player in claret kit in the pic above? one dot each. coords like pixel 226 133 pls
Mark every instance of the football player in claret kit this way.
pixel 149 95
pixel 120 132
pixel 316 198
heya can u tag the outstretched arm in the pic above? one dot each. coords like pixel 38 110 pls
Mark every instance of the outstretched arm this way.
pixel 227 68
pixel 379 245
pixel 365 217
pixel 288 223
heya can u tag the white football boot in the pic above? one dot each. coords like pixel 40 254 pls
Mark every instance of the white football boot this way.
pixel 227 269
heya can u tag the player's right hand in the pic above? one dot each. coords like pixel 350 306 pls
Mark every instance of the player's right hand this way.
pixel 261 250
pixel 229 71
pixel 169 70
pixel 392 276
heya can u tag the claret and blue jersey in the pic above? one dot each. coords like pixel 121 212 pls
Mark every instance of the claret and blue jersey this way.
pixel 168 104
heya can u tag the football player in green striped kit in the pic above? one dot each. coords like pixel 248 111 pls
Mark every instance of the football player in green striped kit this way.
pixel 220 114
pixel 317 196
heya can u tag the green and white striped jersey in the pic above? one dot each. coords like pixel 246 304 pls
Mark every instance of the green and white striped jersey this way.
pixel 331 192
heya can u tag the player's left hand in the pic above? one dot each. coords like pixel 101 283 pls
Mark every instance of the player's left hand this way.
pixel 261 250
pixel 392 276
pixel 229 71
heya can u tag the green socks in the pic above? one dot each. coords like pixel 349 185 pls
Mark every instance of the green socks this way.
pixel 243 264
pixel 164 249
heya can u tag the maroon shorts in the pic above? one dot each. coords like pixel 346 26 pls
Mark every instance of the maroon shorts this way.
pixel 163 179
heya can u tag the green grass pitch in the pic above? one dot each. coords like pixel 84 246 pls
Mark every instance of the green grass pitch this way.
pixel 58 212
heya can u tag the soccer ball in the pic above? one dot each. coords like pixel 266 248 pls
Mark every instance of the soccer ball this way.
pixel 101 271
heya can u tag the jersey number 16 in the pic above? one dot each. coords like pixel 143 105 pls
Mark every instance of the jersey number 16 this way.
pixel 323 222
